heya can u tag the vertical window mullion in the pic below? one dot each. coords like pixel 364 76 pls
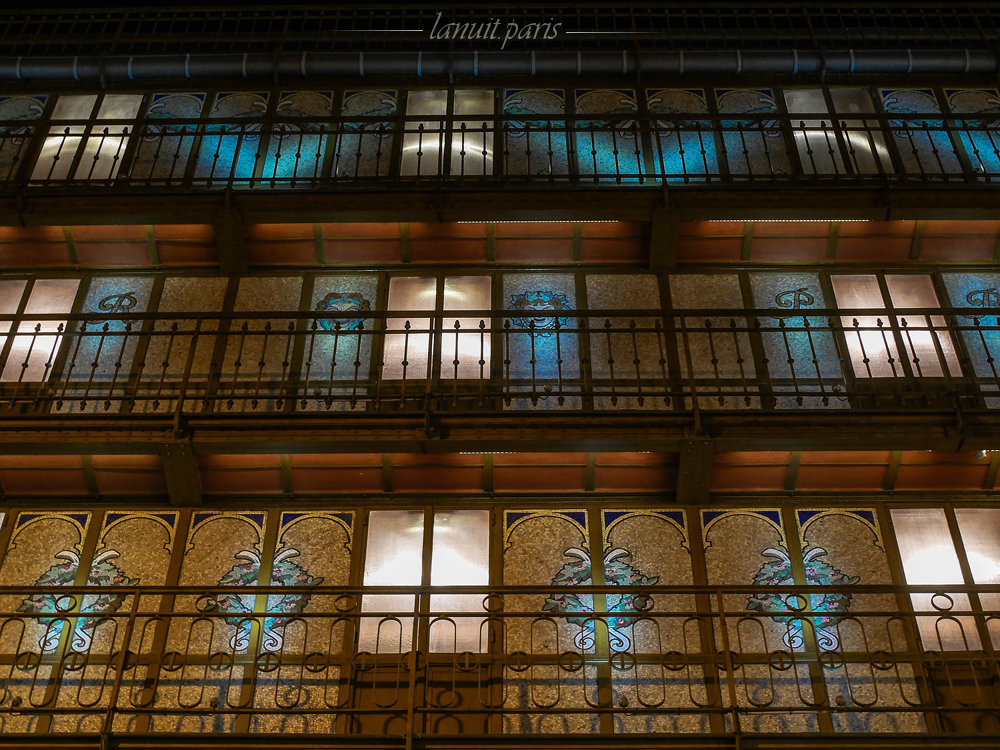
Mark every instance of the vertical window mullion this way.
pixel 963 562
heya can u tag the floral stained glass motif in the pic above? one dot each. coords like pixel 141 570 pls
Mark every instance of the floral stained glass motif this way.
pixel 284 572
pixel 541 343
pixel 785 609
pixel 545 302
pixel 580 611
pixel 103 572
pixel 342 302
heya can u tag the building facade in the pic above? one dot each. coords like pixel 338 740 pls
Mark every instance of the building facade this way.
pixel 338 344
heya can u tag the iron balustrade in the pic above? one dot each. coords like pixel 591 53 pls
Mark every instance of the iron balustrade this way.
pixel 623 149
pixel 677 660
pixel 483 360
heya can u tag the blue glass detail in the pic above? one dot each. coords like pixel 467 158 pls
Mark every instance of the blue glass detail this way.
pixel 608 146
pixel 342 302
pixel 684 147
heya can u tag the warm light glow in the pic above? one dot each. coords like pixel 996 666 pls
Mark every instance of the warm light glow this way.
pixel 937 564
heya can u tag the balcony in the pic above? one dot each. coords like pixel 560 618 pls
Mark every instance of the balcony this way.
pixel 555 369
pixel 127 664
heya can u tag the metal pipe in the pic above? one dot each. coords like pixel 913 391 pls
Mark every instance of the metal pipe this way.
pixel 487 64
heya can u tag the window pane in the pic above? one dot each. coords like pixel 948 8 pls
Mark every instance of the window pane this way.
pixel 682 147
pixel 365 146
pixel 466 354
pixel 866 147
pixel 980 529
pixel 422 148
pixel 168 136
pixel 16 137
pixel 926 337
pixel 296 149
pixel 472 140
pixel 535 146
pixel 924 148
pixel 608 147
pixel 32 351
pixel 815 139
pixel 754 144
pixel 798 357
pixel 460 557
pixel 392 558
pixel 56 155
pixel 872 347
pixel 103 151
pixel 229 148
pixel 981 133
pixel 929 558
pixel 406 355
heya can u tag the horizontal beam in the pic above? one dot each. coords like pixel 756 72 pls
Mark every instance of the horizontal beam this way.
pixel 759 203
pixel 521 431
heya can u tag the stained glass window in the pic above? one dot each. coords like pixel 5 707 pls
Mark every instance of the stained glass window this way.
pixel 924 147
pixel 100 349
pixel 338 350
pixel 534 136
pixel 230 147
pixel 684 145
pixel 364 148
pixel 540 337
pixel 627 351
pixel 979 135
pixel 14 137
pixel 717 347
pixel 295 146
pixel 802 358
pixel 167 356
pixel 167 137
pixel 608 144
pixel 979 332
pixel 754 146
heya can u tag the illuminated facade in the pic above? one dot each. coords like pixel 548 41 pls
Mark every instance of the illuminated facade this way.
pixel 635 384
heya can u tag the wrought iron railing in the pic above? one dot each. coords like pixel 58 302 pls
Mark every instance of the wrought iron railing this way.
pixel 480 360
pixel 625 149
pixel 481 661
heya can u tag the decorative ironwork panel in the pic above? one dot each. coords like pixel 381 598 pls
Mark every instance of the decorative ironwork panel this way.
pixel 802 360
pixel 753 147
pixel 167 138
pixel 608 142
pixel 230 148
pixel 630 352
pixel 540 339
pixel 534 135
pixel 926 151
pixel 685 147
pixel 980 136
